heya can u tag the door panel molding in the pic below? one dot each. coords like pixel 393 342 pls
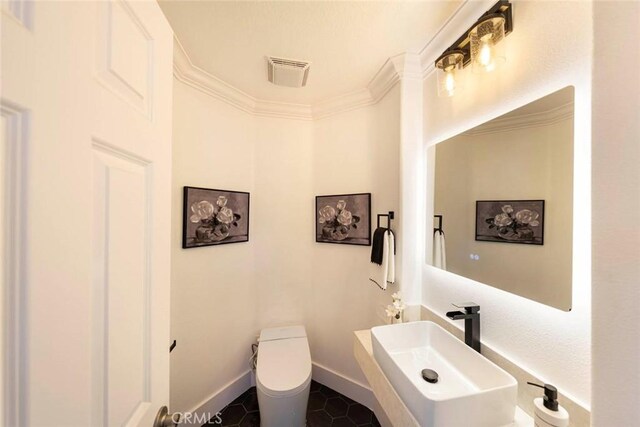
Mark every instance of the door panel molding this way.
pixel 19 10
pixel 121 286
pixel 124 55
pixel 14 279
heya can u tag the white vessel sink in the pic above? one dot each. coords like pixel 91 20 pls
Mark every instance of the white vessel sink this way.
pixel 471 390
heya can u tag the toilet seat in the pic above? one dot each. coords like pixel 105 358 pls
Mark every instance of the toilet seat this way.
pixel 284 362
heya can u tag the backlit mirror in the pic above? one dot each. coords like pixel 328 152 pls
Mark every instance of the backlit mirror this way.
pixel 503 201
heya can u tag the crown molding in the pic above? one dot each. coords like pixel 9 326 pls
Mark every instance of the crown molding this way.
pixel 524 121
pixel 185 71
pixel 282 110
pixel 342 104
pixel 383 80
pixel 399 67
pixel 394 69
pixel 407 66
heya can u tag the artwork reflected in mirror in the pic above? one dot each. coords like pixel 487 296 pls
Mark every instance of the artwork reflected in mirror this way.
pixel 510 180
pixel 510 221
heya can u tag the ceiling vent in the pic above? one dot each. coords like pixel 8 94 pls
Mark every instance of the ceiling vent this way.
pixel 287 72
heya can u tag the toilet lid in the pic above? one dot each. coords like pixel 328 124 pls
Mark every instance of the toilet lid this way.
pixel 284 366
pixel 271 334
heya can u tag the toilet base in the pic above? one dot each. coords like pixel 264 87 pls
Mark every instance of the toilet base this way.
pixel 283 411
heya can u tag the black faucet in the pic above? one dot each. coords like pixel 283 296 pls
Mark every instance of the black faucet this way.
pixel 471 318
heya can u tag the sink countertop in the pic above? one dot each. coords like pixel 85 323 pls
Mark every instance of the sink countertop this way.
pixel 395 409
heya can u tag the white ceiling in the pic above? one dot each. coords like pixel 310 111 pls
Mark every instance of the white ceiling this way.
pixel 347 42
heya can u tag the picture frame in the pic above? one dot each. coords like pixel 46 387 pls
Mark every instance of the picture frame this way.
pixel 214 217
pixel 510 221
pixel 344 219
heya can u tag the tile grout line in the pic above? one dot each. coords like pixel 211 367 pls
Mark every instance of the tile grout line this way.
pixel 326 408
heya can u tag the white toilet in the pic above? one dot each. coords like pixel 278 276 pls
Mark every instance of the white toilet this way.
pixel 283 376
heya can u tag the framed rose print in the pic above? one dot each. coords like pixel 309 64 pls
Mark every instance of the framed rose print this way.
pixel 344 219
pixel 510 221
pixel 214 217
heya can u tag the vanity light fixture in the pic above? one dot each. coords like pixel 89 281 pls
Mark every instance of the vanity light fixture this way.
pixel 480 45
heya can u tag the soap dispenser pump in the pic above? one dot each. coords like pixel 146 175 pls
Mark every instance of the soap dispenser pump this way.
pixel 548 413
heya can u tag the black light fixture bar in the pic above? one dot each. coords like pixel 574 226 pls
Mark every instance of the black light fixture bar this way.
pixel 463 44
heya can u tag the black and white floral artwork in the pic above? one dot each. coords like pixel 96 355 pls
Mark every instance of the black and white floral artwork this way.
pixel 214 217
pixel 510 221
pixel 344 219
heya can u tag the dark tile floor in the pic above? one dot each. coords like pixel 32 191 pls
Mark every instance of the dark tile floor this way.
pixel 326 408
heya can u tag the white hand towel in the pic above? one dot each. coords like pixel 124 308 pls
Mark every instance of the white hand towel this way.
pixel 391 258
pixel 439 251
pixel 385 273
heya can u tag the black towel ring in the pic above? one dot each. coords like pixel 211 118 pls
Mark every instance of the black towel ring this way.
pixel 439 227
pixel 389 216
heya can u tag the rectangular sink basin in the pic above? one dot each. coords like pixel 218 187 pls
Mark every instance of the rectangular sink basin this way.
pixel 471 390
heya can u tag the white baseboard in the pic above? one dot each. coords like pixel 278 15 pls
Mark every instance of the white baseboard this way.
pixel 221 398
pixel 326 376
pixel 344 385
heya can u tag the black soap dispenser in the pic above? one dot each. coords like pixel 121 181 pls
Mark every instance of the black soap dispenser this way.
pixel 547 411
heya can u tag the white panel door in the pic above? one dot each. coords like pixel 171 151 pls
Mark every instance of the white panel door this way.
pixel 85 177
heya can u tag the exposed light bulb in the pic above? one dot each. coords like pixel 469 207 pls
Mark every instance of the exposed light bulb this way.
pixel 485 54
pixel 449 67
pixel 485 57
pixel 487 47
pixel 450 83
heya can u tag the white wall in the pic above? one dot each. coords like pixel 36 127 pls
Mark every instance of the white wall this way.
pixel 353 152
pixel 222 296
pixel 616 203
pixel 213 289
pixel 283 221
pixel 550 48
